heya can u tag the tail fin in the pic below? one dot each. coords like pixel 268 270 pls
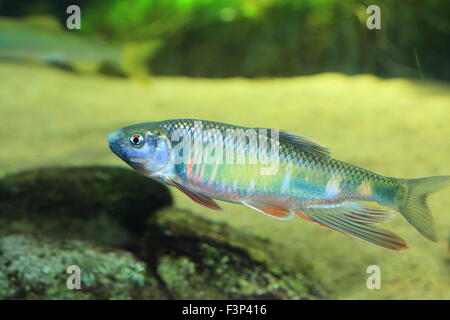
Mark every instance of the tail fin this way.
pixel 135 57
pixel 415 208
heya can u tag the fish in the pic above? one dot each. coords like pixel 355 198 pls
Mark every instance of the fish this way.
pixel 43 40
pixel 277 173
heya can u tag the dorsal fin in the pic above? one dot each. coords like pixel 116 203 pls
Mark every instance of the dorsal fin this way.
pixel 304 143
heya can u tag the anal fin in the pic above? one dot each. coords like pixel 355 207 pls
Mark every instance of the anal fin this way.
pixel 355 220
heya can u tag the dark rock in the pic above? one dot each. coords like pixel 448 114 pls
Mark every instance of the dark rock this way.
pixel 53 218
pixel 105 204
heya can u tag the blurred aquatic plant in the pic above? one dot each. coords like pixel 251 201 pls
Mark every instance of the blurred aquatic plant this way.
pixel 254 38
pixel 151 18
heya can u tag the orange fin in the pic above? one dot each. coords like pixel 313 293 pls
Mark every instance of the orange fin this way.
pixel 355 220
pixel 197 197
pixel 277 212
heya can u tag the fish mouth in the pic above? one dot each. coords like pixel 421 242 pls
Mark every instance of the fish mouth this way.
pixel 114 143
pixel 116 149
pixel 114 137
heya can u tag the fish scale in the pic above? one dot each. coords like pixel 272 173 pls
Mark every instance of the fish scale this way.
pixel 314 169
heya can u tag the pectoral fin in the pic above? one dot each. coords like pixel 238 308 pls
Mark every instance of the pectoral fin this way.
pixel 197 197
pixel 274 211
pixel 355 220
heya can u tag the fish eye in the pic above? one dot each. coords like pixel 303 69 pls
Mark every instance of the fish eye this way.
pixel 136 140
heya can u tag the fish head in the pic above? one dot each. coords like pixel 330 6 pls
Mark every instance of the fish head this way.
pixel 144 147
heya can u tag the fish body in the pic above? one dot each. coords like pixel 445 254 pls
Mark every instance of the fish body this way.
pixel 277 173
pixel 43 40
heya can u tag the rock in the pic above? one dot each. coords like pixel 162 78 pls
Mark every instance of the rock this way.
pixel 199 259
pixel 118 227
pixel 106 204
pixel 34 267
